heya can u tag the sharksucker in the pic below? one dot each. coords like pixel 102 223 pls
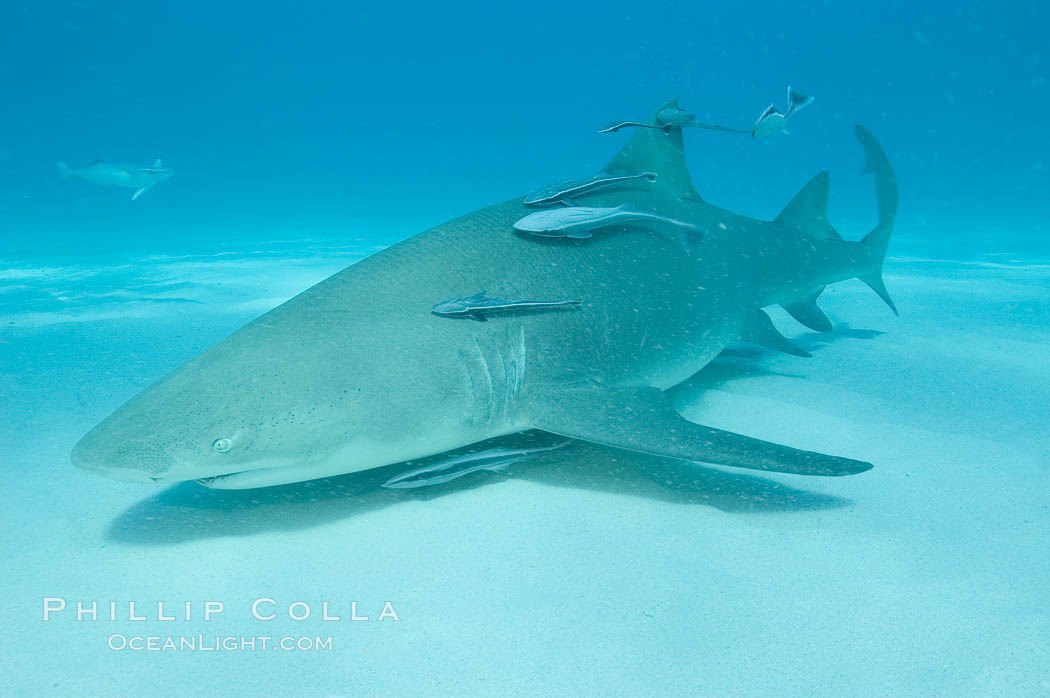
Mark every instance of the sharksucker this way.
pixel 357 372
pixel 565 192
pixel 615 126
pixel 772 123
pixel 478 306
pixel 579 222
pixel 445 470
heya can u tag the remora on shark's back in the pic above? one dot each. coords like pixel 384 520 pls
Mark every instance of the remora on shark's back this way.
pixel 565 192
pixel 108 174
pixel 580 221
pixel 479 305
pixel 357 372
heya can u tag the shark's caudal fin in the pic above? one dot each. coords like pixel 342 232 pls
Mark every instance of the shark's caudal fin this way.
pixel 878 239
pixel 64 173
pixel 653 150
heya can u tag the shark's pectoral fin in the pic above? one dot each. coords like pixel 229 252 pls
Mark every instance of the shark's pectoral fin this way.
pixel 808 313
pixel 759 329
pixel 643 420
pixel 141 191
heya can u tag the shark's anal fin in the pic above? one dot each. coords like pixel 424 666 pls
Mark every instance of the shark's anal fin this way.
pixel 759 329
pixel 807 312
pixel 643 420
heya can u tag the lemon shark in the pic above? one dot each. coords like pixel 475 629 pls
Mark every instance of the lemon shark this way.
pixel 108 174
pixel 356 372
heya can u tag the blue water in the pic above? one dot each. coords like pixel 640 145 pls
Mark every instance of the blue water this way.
pixel 325 117
pixel 307 136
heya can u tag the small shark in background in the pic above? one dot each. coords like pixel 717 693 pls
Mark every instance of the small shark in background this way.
pixel 773 123
pixel 107 174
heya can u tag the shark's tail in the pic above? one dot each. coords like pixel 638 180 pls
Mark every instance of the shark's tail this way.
pixel 64 173
pixel 876 242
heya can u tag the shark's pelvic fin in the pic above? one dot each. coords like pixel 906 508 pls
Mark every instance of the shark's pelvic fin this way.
pixel 653 150
pixel 808 211
pixel 759 329
pixel 807 312
pixel 876 242
pixel 643 420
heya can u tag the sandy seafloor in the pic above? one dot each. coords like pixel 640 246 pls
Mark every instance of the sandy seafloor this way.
pixel 589 572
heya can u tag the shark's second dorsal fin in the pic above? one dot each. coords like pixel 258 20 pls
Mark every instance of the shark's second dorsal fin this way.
pixel 653 150
pixel 808 211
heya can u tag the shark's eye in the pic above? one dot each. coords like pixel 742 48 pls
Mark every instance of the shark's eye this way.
pixel 222 445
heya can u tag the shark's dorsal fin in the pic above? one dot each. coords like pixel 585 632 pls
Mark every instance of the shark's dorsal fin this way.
pixel 808 211
pixel 96 161
pixel 157 164
pixel 653 150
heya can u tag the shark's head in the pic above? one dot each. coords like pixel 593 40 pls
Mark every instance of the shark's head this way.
pixel 248 413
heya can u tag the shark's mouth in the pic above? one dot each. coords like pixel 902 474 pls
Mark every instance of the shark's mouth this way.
pixel 246 479
pixel 270 475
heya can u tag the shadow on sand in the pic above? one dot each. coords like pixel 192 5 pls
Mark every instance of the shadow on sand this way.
pixel 189 511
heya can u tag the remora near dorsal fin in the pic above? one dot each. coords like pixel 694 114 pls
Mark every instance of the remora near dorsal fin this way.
pixel 759 329
pixel 807 312
pixel 652 150
pixel 808 211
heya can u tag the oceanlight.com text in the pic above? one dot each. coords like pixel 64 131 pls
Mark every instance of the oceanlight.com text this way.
pixel 218 643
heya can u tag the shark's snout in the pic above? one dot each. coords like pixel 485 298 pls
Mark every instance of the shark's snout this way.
pixel 132 460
